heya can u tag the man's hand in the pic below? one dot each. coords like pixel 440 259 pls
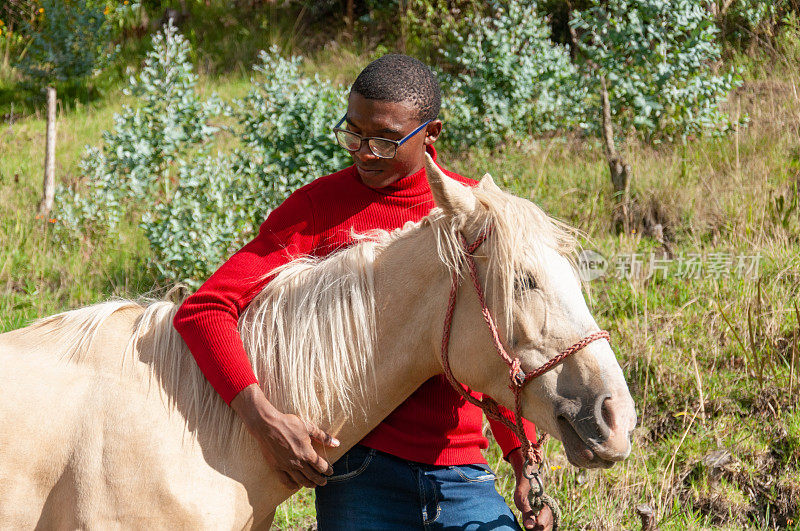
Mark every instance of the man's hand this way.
pixel 284 440
pixel 544 520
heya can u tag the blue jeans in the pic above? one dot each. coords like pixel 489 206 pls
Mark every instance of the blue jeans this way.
pixel 372 490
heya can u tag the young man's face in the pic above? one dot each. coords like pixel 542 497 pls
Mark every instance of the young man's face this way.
pixel 391 120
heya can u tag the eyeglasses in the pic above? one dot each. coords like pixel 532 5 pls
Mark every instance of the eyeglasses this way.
pixel 380 147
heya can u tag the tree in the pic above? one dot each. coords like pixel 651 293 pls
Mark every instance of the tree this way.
pixel 68 42
pixel 650 64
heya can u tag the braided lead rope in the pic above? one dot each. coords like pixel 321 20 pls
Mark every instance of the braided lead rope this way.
pixel 533 451
pixel 488 406
pixel 555 509
pixel 538 498
pixel 516 374
pixel 487 316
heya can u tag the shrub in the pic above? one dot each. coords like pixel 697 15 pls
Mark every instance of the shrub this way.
pixel 137 166
pixel 506 80
pixel 284 129
pixel 11 41
pixel 124 16
pixel 427 26
pixel 285 125
pixel 138 157
pixel 752 23
pixel 203 223
pixel 156 170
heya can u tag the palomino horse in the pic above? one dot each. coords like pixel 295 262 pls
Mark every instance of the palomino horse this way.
pixel 108 422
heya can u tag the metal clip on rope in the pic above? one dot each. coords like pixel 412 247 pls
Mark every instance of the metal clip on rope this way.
pixel 537 498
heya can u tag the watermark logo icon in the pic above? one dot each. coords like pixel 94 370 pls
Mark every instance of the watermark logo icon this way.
pixel 591 265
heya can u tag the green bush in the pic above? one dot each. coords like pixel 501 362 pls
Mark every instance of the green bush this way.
pixel 205 220
pixel 428 26
pixel 285 125
pixel 136 166
pixel 155 168
pixel 142 159
pixel 285 142
pixel 124 16
pixel 506 80
pixel 752 23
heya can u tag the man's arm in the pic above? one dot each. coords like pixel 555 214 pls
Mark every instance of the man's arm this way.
pixel 208 323
pixel 285 440
pixel 506 438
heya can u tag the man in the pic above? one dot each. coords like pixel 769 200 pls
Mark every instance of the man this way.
pixel 422 466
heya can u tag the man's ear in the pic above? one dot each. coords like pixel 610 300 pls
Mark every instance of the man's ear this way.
pixel 432 132
pixel 448 194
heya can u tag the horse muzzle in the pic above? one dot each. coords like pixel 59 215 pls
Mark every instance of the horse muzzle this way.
pixel 596 433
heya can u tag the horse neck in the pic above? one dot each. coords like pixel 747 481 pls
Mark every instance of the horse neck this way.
pixel 411 287
pixel 410 281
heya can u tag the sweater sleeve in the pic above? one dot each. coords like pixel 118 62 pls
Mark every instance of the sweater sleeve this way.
pixel 507 439
pixel 208 320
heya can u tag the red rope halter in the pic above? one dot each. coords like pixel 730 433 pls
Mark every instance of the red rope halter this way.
pixel 518 377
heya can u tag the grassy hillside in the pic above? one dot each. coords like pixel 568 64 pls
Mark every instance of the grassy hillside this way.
pixel 711 355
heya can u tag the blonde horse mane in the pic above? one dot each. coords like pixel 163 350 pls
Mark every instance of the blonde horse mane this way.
pixel 519 230
pixel 310 333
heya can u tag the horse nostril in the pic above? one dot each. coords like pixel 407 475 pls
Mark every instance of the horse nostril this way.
pixel 603 415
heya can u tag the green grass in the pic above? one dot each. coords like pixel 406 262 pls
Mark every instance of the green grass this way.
pixel 711 196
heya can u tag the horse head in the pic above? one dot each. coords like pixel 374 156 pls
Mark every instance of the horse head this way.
pixel 533 291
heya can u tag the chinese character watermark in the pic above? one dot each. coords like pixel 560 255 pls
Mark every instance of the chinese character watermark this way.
pixel 629 266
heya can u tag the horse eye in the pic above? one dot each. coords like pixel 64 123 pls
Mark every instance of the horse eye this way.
pixel 526 282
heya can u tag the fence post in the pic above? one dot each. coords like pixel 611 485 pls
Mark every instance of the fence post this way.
pixel 49 186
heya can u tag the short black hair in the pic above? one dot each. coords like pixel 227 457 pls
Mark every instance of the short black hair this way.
pixel 397 77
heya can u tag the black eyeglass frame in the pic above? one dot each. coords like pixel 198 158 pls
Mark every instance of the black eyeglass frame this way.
pixel 397 143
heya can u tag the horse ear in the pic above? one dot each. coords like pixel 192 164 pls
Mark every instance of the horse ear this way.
pixel 448 194
pixel 487 183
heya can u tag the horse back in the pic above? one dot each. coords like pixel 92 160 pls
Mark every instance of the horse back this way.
pixel 85 443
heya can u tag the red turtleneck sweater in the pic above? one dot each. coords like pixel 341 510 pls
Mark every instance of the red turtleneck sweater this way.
pixel 434 425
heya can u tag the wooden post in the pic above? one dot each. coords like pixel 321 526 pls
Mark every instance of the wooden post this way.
pixel 49 187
